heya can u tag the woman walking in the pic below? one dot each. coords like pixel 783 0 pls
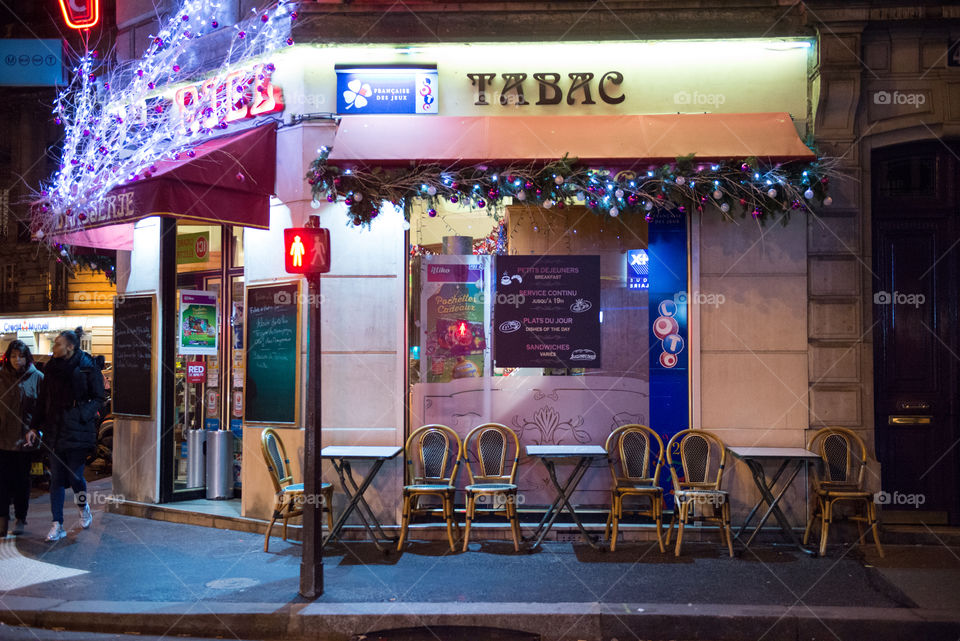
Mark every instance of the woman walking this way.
pixel 19 386
pixel 71 394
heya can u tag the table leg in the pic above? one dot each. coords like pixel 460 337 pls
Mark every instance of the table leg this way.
pixel 555 506
pixel 776 477
pixel 561 501
pixel 356 497
pixel 774 503
pixel 362 502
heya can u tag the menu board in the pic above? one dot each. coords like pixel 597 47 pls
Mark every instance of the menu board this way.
pixel 547 311
pixel 132 385
pixel 270 384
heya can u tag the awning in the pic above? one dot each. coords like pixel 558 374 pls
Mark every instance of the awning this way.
pixel 226 180
pixel 610 140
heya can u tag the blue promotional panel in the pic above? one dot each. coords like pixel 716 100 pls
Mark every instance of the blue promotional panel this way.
pixel 389 90
pixel 211 423
pixel 31 62
pixel 669 360
pixel 638 269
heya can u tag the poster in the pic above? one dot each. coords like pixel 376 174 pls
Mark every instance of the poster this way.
pixel 547 311
pixel 198 323
pixel 453 335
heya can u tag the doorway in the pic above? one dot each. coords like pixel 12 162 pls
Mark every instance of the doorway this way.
pixel 916 243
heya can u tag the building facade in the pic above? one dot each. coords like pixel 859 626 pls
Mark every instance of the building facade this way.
pixel 831 318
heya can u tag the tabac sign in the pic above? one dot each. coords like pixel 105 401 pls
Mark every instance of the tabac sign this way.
pixel 80 14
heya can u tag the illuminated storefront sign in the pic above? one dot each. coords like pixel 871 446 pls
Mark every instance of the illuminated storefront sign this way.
pixel 220 100
pixel 638 269
pixel 551 88
pixel 386 90
pixel 80 14
pixel 25 325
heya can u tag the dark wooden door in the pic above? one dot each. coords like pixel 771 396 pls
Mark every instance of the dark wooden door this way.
pixel 916 242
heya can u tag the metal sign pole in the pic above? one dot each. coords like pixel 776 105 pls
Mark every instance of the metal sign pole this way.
pixel 311 565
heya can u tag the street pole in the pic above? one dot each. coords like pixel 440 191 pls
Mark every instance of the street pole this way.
pixel 311 564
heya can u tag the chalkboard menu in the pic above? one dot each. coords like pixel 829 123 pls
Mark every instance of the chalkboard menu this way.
pixel 273 347
pixel 133 383
pixel 546 311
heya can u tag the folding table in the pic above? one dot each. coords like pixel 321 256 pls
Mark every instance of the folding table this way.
pixel 340 456
pixel 550 455
pixel 755 457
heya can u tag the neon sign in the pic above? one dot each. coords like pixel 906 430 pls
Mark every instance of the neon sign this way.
pixel 80 14
pixel 220 100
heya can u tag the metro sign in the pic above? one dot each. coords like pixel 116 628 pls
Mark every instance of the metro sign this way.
pixel 80 14
pixel 306 250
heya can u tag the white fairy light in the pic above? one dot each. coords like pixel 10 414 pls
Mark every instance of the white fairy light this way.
pixel 120 121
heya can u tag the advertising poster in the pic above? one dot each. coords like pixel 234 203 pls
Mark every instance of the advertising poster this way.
pixel 452 331
pixel 198 323
pixel 385 90
pixel 547 311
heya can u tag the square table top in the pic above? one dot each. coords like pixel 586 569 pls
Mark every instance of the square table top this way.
pixel 565 451
pixel 773 453
pixel 360 451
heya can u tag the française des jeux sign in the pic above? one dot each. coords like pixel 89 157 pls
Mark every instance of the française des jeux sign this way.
pixel 547 311
pixel 363 90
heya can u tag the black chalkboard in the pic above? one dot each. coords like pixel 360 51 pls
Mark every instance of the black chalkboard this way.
pixel 273 342
pixel 132 383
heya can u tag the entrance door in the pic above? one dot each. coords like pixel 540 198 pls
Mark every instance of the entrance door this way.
pixel 916 242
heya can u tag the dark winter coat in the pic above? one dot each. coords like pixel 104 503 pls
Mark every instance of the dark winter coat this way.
pixel 18 400
pixel 71 394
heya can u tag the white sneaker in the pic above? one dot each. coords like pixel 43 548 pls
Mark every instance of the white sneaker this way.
pixel 86 518
pixel 56 532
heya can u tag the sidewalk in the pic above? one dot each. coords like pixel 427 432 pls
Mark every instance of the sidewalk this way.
pixel 127 574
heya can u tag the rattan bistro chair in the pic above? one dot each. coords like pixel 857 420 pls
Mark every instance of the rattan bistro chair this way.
pixel 289 495
pixel 844 462
pixel 431 457
pixel 495 449
pixel 699 451
pixel 636 456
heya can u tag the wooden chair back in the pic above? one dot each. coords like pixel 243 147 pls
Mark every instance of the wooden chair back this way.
pixel 702 456
pixel 432 455
pixel 495 448
pixel 636 454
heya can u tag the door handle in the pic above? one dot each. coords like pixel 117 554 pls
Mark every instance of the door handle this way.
pixel 909 420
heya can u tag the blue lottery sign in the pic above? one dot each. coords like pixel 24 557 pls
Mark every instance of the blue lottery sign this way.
pixel 365 91
pixel 31 63
pixel 638 269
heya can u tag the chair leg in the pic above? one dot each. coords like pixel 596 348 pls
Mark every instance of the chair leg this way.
pixel 266 539
pixel 514 522
pixel 657 509
pixel 813 517
pixel 825 517
pixel 404 521
pixel 449 515
pixel 725 512
pixel 673 521
pixel 471 506
pixel 616 514
pixel 684 509
pixel 872 515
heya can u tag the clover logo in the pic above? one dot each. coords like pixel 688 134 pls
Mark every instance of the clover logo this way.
pixel 357 93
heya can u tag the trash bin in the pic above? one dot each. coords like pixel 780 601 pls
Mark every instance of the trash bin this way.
pixel 220 464
pixel 196 457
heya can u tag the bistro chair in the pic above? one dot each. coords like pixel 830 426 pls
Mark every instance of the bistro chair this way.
pixel 636 456
pixel 431 457
pixel 495 449
pixel 844 463
pixel 702 457
pixel 290 496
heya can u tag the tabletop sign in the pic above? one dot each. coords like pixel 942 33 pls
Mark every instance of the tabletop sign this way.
pixel 270 383
pixel 306 250
pixel 133 355
pixel 547 311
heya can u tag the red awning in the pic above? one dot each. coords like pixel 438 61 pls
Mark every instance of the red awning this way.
pixel 372 140
pixel 226 180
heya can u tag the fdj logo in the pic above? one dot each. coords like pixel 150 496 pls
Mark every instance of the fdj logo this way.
pixel 515 300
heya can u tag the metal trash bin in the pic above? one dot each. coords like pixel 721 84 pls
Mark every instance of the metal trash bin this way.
pixel 196 458
pixel 220 464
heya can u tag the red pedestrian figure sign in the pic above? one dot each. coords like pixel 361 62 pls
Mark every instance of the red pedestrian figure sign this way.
pixel 306 250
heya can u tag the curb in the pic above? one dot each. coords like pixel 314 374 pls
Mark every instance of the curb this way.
pixel 552 621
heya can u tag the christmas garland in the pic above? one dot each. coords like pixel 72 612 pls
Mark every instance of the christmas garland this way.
pixel 745 186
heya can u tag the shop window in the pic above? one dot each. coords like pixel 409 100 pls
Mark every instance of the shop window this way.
pixel 8 286
pixel 58 286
